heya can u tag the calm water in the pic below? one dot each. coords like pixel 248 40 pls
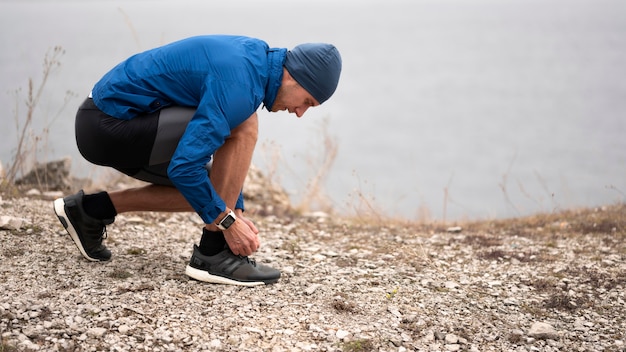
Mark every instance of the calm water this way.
pixel 511 107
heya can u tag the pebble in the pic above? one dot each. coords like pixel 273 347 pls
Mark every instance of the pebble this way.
pixel 11 222
pixel 451 285
pixel 342 334
pixel 96 332
pixel 451 338
pixel 311 289
pixel 541 330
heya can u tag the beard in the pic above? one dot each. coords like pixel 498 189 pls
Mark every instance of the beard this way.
pixel 279 103
pixel 285 96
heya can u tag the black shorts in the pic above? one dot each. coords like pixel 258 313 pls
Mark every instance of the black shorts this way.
pixel 141 147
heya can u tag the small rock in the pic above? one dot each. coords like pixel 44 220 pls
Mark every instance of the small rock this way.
pixel 28 345
pixel 395 312
pixel 510 302
pixel 543 331
pixel 315 328
pixel 96 332
pixel 311 289
pixel 451 339
pixel 451 285
pixel 288 270
pixel 395 341
pixel 255 330
pixel 11 222
pixel 455 229
pixel 440 335
pixel 289 332
pixel 319 257
pixel 123 329
pixel 342 334
pixel 33 192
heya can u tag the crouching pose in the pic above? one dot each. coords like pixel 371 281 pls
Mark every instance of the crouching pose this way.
pixel 182 117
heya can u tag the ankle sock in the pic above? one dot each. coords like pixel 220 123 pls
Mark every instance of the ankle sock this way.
pixel 99 206
pixel 212 242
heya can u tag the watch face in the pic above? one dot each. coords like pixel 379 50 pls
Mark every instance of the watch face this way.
pixel 227 221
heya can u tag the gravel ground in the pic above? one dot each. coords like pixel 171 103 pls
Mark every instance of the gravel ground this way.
pixel 547 283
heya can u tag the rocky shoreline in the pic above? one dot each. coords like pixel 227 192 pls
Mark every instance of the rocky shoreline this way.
pixel 552 282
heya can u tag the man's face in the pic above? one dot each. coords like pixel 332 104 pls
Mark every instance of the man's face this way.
pixel 293 98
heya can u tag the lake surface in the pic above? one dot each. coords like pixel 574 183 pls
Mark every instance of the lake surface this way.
pixel 446 109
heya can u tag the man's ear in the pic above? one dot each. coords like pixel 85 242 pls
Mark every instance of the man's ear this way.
pixel 287 77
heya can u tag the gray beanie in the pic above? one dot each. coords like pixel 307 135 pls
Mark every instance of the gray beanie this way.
pixel 316 67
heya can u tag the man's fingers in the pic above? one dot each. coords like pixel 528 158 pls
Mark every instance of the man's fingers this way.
pixel 250 224
pixel 244 248
pixel 242 238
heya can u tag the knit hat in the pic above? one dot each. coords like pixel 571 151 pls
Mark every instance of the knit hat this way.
pixel 316 67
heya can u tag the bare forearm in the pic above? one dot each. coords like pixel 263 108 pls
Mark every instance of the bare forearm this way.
pixel 232 161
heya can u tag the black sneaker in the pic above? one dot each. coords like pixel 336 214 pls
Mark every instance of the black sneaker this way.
pixel 86 231
pixel 230 269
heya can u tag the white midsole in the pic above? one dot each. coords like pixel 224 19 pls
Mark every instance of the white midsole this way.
pixel 202 275
pixel 59 209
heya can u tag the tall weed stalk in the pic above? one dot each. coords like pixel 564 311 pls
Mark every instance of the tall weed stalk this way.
pixel 321 166
pixel 28 141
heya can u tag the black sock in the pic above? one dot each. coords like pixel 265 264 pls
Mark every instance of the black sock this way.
pixel 99 206
pixel 212 242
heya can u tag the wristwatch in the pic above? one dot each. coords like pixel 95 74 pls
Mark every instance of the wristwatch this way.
pixel 226 221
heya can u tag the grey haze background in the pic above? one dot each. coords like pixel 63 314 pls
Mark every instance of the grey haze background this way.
pixel 469 96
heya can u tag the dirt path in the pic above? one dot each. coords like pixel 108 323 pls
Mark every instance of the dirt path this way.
pixel 547 283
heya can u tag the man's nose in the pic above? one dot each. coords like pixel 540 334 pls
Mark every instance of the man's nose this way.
pixel 300 110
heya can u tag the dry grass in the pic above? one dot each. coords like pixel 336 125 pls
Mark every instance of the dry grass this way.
pixel 32 146
pixel 602 220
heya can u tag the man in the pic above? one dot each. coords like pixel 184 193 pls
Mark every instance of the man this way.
pixel 183 118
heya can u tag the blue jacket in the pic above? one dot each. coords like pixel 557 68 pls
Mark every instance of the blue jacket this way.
pixel 226 78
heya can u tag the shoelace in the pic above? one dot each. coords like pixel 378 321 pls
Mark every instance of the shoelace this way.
pixel 251 261
pixel 104 233
pixel 246 258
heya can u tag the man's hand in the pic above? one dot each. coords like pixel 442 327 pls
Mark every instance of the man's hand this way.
pixel 239 214
pixel 242 236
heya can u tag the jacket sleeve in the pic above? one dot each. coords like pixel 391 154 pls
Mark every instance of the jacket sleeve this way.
pixel 240 202
pixel 222 107
pixel 186 171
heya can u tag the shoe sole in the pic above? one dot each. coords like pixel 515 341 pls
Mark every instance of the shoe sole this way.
pixel 204 276
pixel 59 209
